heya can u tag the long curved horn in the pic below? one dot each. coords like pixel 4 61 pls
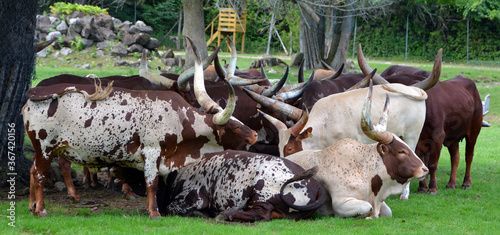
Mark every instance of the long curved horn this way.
pixel 429 82
pixel 222 115
pixel 153 77
pixel 276 87
pixel 336 74
pixel 286 109
pixel 366 69
pixel 297 127
pixel 237 81
pixel 294 130
pixel 363 81
pixel 379 132
pixel 186 76
pixel 301 72
pixel 294 94
pixel 277 123
pixel 231 68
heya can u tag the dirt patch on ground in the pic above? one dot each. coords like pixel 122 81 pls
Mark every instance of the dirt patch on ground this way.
pixel 96 199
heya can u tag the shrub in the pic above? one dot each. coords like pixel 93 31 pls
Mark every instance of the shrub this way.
pixel 63 8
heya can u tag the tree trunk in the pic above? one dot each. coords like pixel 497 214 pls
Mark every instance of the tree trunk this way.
pixel 324 38
pixel 194 27
pixel 341 43
pixel 309 42
pixel 17 60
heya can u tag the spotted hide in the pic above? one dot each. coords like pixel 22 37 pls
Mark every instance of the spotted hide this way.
pixel 242 186
pixel 154 131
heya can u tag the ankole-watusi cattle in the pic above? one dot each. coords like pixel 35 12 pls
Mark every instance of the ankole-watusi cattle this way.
pixel 359 177
pixel 155 131
pixel 241 186
pixel 454 113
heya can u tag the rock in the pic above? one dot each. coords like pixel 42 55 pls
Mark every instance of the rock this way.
pixel 168 54
pixel 104 21
pixel 169 62
pixel 99 53
pixel 121 63
pixel 116 22
pixel 62 27
pixel 87 42
pixel 296 59
pixel 153 43
pixel 104 44
pixel 43 24
pixel 128 39
pixel 66 51
pixel 60 186
pixel 143 39
pixel 42 53
pixel 54 20
pixel 135 64
pixel 135 48
pixel 85 66
pixel 53 35
pixel 108 34
pixel 75 14
pixel 119 50
pixel 180 61
pixel 76 24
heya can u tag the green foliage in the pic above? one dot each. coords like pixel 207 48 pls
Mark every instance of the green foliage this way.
pixel 64 9
pixel 137 55
pixel 480 9
pixel 78 43
pixel 387 40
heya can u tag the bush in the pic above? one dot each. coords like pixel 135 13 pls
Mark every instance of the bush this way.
pixel 63 9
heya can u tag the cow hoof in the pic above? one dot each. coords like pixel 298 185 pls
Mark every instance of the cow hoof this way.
pixel 421 191
pixel 154 215
pixel 464 187
pixel 403 197
pixel 220 217
pixel 42 213
pixel 451 186
pixel 432 192
pixel 74 199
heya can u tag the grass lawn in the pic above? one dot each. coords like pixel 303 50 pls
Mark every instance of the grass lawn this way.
pixel 473 211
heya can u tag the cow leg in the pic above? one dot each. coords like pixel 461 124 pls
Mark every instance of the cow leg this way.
pixel 65 167
pixel 385 211
pixel 352 207
pixel 32 203
pixel 151 157
pixel 259 212
pixel 469 154
pixel 435 152
pixel 406 192
pixel 39 173
pixel 455 159
pixel 128 193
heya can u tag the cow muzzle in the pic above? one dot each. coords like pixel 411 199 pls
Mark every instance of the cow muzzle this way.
pixel 423 171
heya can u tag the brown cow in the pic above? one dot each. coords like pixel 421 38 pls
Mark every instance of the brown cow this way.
pixel 454 112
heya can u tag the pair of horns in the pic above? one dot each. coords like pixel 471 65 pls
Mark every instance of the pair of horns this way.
pixel 425 84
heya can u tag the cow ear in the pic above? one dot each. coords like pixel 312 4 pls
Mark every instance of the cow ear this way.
pixel 305 134
pixel 382 149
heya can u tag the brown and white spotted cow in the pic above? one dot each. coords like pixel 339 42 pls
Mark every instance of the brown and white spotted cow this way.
pixel 242 186
pixel 359 177
pixel 154 131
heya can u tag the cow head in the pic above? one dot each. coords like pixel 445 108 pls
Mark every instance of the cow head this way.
pixel 290 138
pixel 232 133
pixel 401 162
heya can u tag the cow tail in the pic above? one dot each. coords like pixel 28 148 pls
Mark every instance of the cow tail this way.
pixel 301 176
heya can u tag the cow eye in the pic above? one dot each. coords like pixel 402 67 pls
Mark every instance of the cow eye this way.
pixel 402 152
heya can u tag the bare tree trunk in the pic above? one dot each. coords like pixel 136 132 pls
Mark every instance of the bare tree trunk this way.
pixel 309 42
pixel 17 60
pixel 340 44
pixel 194 27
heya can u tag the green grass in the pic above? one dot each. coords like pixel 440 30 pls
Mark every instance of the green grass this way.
pixel 473 211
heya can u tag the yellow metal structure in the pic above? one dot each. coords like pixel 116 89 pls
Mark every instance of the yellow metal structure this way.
pixel 229 23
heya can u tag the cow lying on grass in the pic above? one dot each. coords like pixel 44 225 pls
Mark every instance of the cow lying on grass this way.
pixel 359 177
pixel 241 186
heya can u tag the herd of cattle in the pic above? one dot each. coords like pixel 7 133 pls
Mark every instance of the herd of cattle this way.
pixel 196 146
